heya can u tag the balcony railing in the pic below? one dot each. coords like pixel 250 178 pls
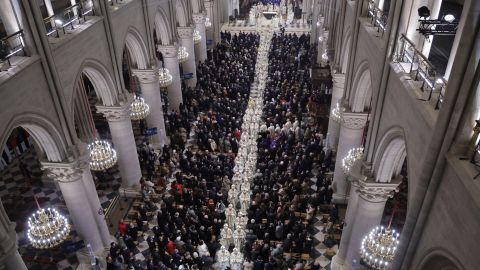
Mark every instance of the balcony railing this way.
pixel 11 45
pixel 68 18
pixel 421 69
pixel 378 16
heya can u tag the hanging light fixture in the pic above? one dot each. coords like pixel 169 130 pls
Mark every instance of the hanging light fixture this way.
pixel 182 54
pixel 352 157
pixel 102 155
pixel 139 109
pixel 47 228
pixel 196 36
pixel 208 23
pixel 164 77
pixel 379 247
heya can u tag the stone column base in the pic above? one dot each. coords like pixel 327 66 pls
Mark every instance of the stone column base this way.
pixel 130 192
pixel 339 199
pixel 85 261
pixel 339 264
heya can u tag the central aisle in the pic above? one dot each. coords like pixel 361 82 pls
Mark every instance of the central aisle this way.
pixel 234 230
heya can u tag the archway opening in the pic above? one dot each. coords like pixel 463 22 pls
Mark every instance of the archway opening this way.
pixel 22 184
pixel 91 124
pixel 396 207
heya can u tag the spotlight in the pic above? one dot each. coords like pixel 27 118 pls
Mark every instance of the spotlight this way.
pixel 57 21
pixel 449 18
pixel 424 12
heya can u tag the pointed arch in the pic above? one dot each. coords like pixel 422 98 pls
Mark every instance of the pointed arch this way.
pixel 101 80
pixel 440 258
pixel 346 53
pixel 50 142
pixel 390 155
pixel 163 27
pixel 182 11
pixel 362 89
pixel 136 48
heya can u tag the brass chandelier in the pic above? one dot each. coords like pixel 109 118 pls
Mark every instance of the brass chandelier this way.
pixel 102 155
pixel 139 109
pixel 379 247
pixel 47 228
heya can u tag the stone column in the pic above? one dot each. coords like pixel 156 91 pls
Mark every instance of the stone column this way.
pixel 150 87
pixel 48 7
pixel 70 180
pixel 9 257
pixel 96 207
pixel 339 259
pixel 8 17
pixel 315 19
pixel 118 118
pixel 368 213
pixel 200 48
pixel 170 62
pixel 211 7
pixel 351 134
pixel 14 261
pixel 333 123
pixel 189 66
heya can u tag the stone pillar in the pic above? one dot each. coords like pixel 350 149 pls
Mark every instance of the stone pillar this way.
pixel 14 261
pixel 211 7
pixel 351 134
pixel 200 48
pixel 48 7
pixel 7 14
pixel 189 66
pixel 170 62
pixel 96 207
pixel 368 213
pixel 118 118
pixel 70 180
pixel 315 19
pixel 150 87
pixel 333 123
pixel 339 259
pixel 9 257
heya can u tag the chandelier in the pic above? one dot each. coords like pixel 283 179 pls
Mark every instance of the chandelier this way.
pixel 196 36
pixel 182 54
pixel 208 23
pixel 352 157
pixel 102 155
pixel 336 116
pixel 47 228
pixel 379 247
pixel 164 77
pixel 139 109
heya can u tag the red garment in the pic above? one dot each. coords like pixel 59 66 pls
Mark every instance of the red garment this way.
pixel 122 228
pixel 179 188
pixel 170 247
pixel 237 134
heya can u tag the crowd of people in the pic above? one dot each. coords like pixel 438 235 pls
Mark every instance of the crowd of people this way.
pixel 290 160
pixel 182 224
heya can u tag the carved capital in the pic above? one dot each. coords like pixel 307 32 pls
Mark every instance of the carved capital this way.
pixel 168 51
pixel 146 76
pixel 185 32
pixel 66 172
pixel 119 112
pixel 354 120
pixel 376 192
pixel 198 18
